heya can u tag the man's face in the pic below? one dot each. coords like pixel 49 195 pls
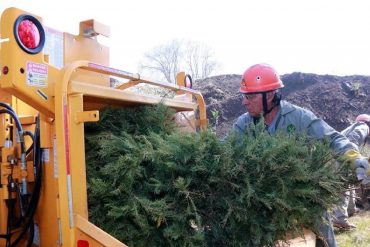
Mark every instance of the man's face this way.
pixel 253 103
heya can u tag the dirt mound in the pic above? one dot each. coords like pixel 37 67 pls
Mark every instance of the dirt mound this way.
pixel 336 99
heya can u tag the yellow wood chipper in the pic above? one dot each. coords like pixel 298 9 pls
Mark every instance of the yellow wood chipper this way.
pixel 51 83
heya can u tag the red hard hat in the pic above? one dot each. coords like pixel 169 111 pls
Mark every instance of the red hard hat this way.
pixel 363 118
pixel 260 78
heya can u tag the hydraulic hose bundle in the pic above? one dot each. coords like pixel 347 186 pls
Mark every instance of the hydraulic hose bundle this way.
pixel 27 201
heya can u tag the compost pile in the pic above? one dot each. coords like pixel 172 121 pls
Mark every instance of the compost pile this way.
pixel 150 185
pixel 336 99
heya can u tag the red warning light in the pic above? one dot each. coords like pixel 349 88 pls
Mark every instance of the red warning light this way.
pixel 29 34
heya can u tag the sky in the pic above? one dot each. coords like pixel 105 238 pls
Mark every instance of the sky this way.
pixel 311 36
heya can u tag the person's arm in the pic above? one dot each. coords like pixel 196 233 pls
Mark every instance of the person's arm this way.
pixel 358 133
pixel 319 129
pixel 346 150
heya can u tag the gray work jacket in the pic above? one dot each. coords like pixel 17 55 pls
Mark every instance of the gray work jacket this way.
pixel 357 133
pixel 292 118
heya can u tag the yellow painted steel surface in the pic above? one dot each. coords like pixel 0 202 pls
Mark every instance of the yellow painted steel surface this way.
pixel 12 56
pixel 74 83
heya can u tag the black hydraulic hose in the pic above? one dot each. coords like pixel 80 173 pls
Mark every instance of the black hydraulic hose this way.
pixel 21 219
pixel 14 116
pixel 9 220
pixel 36 190
pixel 31 235
pixel 187 76
pixel 5 105
pixel 31 209
pixel 19 126
pixel 23 198
pixel 38 169
pixel 10 205
pixel 4 236
pixel 21 134
pixel 29 150
pixel 30 134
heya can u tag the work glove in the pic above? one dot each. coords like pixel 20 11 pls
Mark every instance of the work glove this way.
pixel 362 169
pixel 362 166
pixel 365 181
pixel 359 163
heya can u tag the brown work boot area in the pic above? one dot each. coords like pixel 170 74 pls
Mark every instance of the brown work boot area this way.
pixel 353 211
pixel 343 224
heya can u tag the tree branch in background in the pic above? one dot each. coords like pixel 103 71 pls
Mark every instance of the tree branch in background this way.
pixel 165 61
pixel 200 60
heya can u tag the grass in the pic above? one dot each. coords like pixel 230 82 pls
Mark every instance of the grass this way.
pixel 359 237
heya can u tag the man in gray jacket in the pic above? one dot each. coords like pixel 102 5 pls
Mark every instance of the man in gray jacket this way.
pixel 261 88
pixel 357 133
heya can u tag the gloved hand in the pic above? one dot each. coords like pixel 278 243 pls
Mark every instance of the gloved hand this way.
pixel 362 170
pixel 365 181
pixel 362 162
pixel 359 163
pixel 361 174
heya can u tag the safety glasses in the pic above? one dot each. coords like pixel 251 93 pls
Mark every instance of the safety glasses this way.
pixel 250 96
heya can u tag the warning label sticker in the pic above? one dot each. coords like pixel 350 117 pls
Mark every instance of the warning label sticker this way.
pixel 37 74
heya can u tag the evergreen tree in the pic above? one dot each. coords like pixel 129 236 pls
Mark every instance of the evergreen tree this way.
pixel 150 185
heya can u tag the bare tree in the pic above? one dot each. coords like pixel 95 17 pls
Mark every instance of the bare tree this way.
pixel 167 60
pixel 163 60
pixel 200 60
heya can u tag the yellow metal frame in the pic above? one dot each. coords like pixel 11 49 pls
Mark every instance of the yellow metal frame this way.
pixel 62 214
pixel 69 102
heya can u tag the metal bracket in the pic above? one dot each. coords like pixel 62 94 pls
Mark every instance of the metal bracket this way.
pixel 92 28
pixel 87 116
